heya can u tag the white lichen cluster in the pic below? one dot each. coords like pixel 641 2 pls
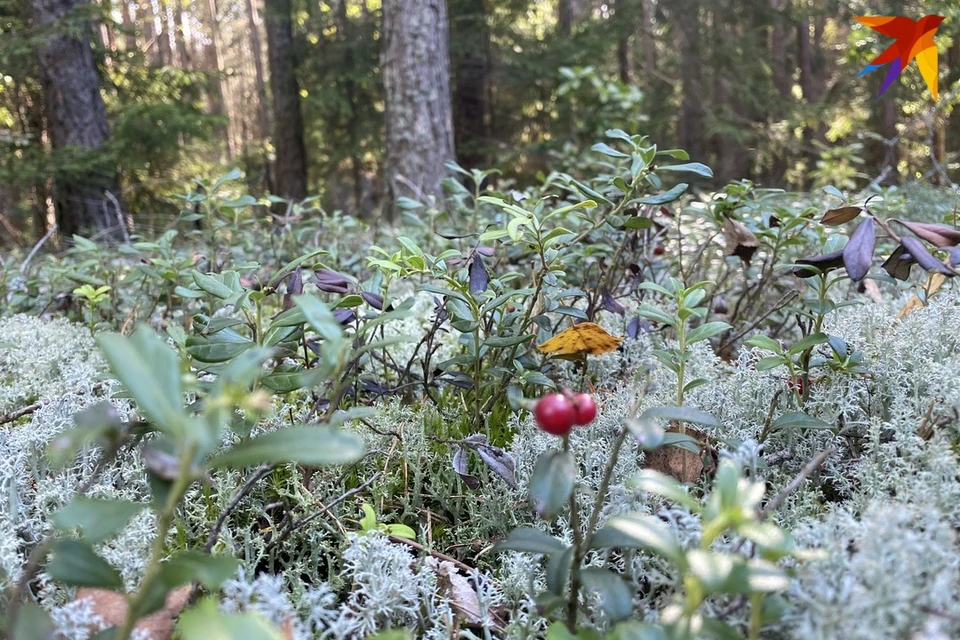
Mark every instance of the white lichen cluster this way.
pixel 884 508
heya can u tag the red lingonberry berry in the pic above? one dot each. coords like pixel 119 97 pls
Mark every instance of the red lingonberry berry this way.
pixel 796 382
pixel 555 414
pixel 585 409
pixel 658 250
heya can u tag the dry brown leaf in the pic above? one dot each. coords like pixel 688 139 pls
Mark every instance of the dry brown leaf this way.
pixel 936 281
pixel 586 337
pixel 839 216
pixel 111 607
pixel 676 462
pixel 740 241
pixel 457 589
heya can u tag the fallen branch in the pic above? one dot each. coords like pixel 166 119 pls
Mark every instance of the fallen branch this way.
pixel 261 471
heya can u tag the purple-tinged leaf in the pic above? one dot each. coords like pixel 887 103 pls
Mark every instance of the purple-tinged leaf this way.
pixel 939 235
pixel 636 326
pixel 898 264
pixel 460 466
pixel 954 256
pixel 858 254
pixel 331 281
pixel 373 299
pixel 608 303
pixel 924 258
pixel 294 288
pixel 822 264
pixel 500 462
pixel 486 251
pixel 344 316
pixel 478 275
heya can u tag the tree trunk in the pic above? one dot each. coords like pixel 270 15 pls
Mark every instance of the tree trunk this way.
pixel 129 28
pixel 691 127
pixel 468 28
pixel 262 118
pixel 219 100
pixel 290 173
pixel 649 43
pixel 625 20
pixel 149 28
pixel 180 36
pixel 416 81
pixel 163 34
pixel 570 13
pixel 77 118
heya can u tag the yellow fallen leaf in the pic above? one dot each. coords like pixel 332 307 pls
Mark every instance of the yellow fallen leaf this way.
pixel 936 281
pixel 586 337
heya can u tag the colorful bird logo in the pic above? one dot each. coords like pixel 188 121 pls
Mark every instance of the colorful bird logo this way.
pixel 914 39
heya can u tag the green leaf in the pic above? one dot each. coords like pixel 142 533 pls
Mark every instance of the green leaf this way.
pixel 666 196
pixel 663 485
pixel 149 370
pixel 195 566
pixel 607 150
pixel 75 563
pixel 717 572
pixel 212 285
pixel 319 317
pixel 636 631
pixel 764 342
pixel 552 482
pixel 650 534
pixel 706 331
pixel 770 362
pixel 400 531
pixel 615 596
pixel 681 414
pixel 369 520
pixel 690 167
pixel 811 340
pixel 638 222
pixel 220 347
pixel 681 441
pixel 798 420
pixel 392 634
pixel 530 540
pixel 310 445
pixel 33 623
pixel 765 577
pixel 207 622
pixel 648 434
pixel 652 313
pixel 507 341
pixel 97 519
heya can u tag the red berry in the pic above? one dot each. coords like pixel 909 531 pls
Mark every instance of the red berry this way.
pixel 658 250
pixel 585 409
pixel 798 382
pixel 555 414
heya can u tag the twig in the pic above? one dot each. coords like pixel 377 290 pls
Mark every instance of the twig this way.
pixel 436 554
pixel 36 247
pixel 324 509
pixel 784 301
pixel 13 415
pixel 815 462
pixel 261 471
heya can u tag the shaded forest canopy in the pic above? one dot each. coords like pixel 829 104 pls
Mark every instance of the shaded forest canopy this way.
pixel 330 99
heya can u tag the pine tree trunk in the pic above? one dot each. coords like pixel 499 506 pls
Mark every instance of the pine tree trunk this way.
pixel 149 28
pixel 129 28
pixel 163 35
pixel 416 82
pixel 468 29
pixel 570 13
pixel 625 18
pixel 180 36
pixel 76 117
pixel 219 99
pixel 256 45
pixel 691 127
pixel 290 173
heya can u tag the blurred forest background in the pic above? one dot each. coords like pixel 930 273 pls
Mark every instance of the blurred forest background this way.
pixel 108 108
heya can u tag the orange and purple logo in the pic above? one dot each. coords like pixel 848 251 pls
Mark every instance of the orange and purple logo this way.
pixel 914 39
